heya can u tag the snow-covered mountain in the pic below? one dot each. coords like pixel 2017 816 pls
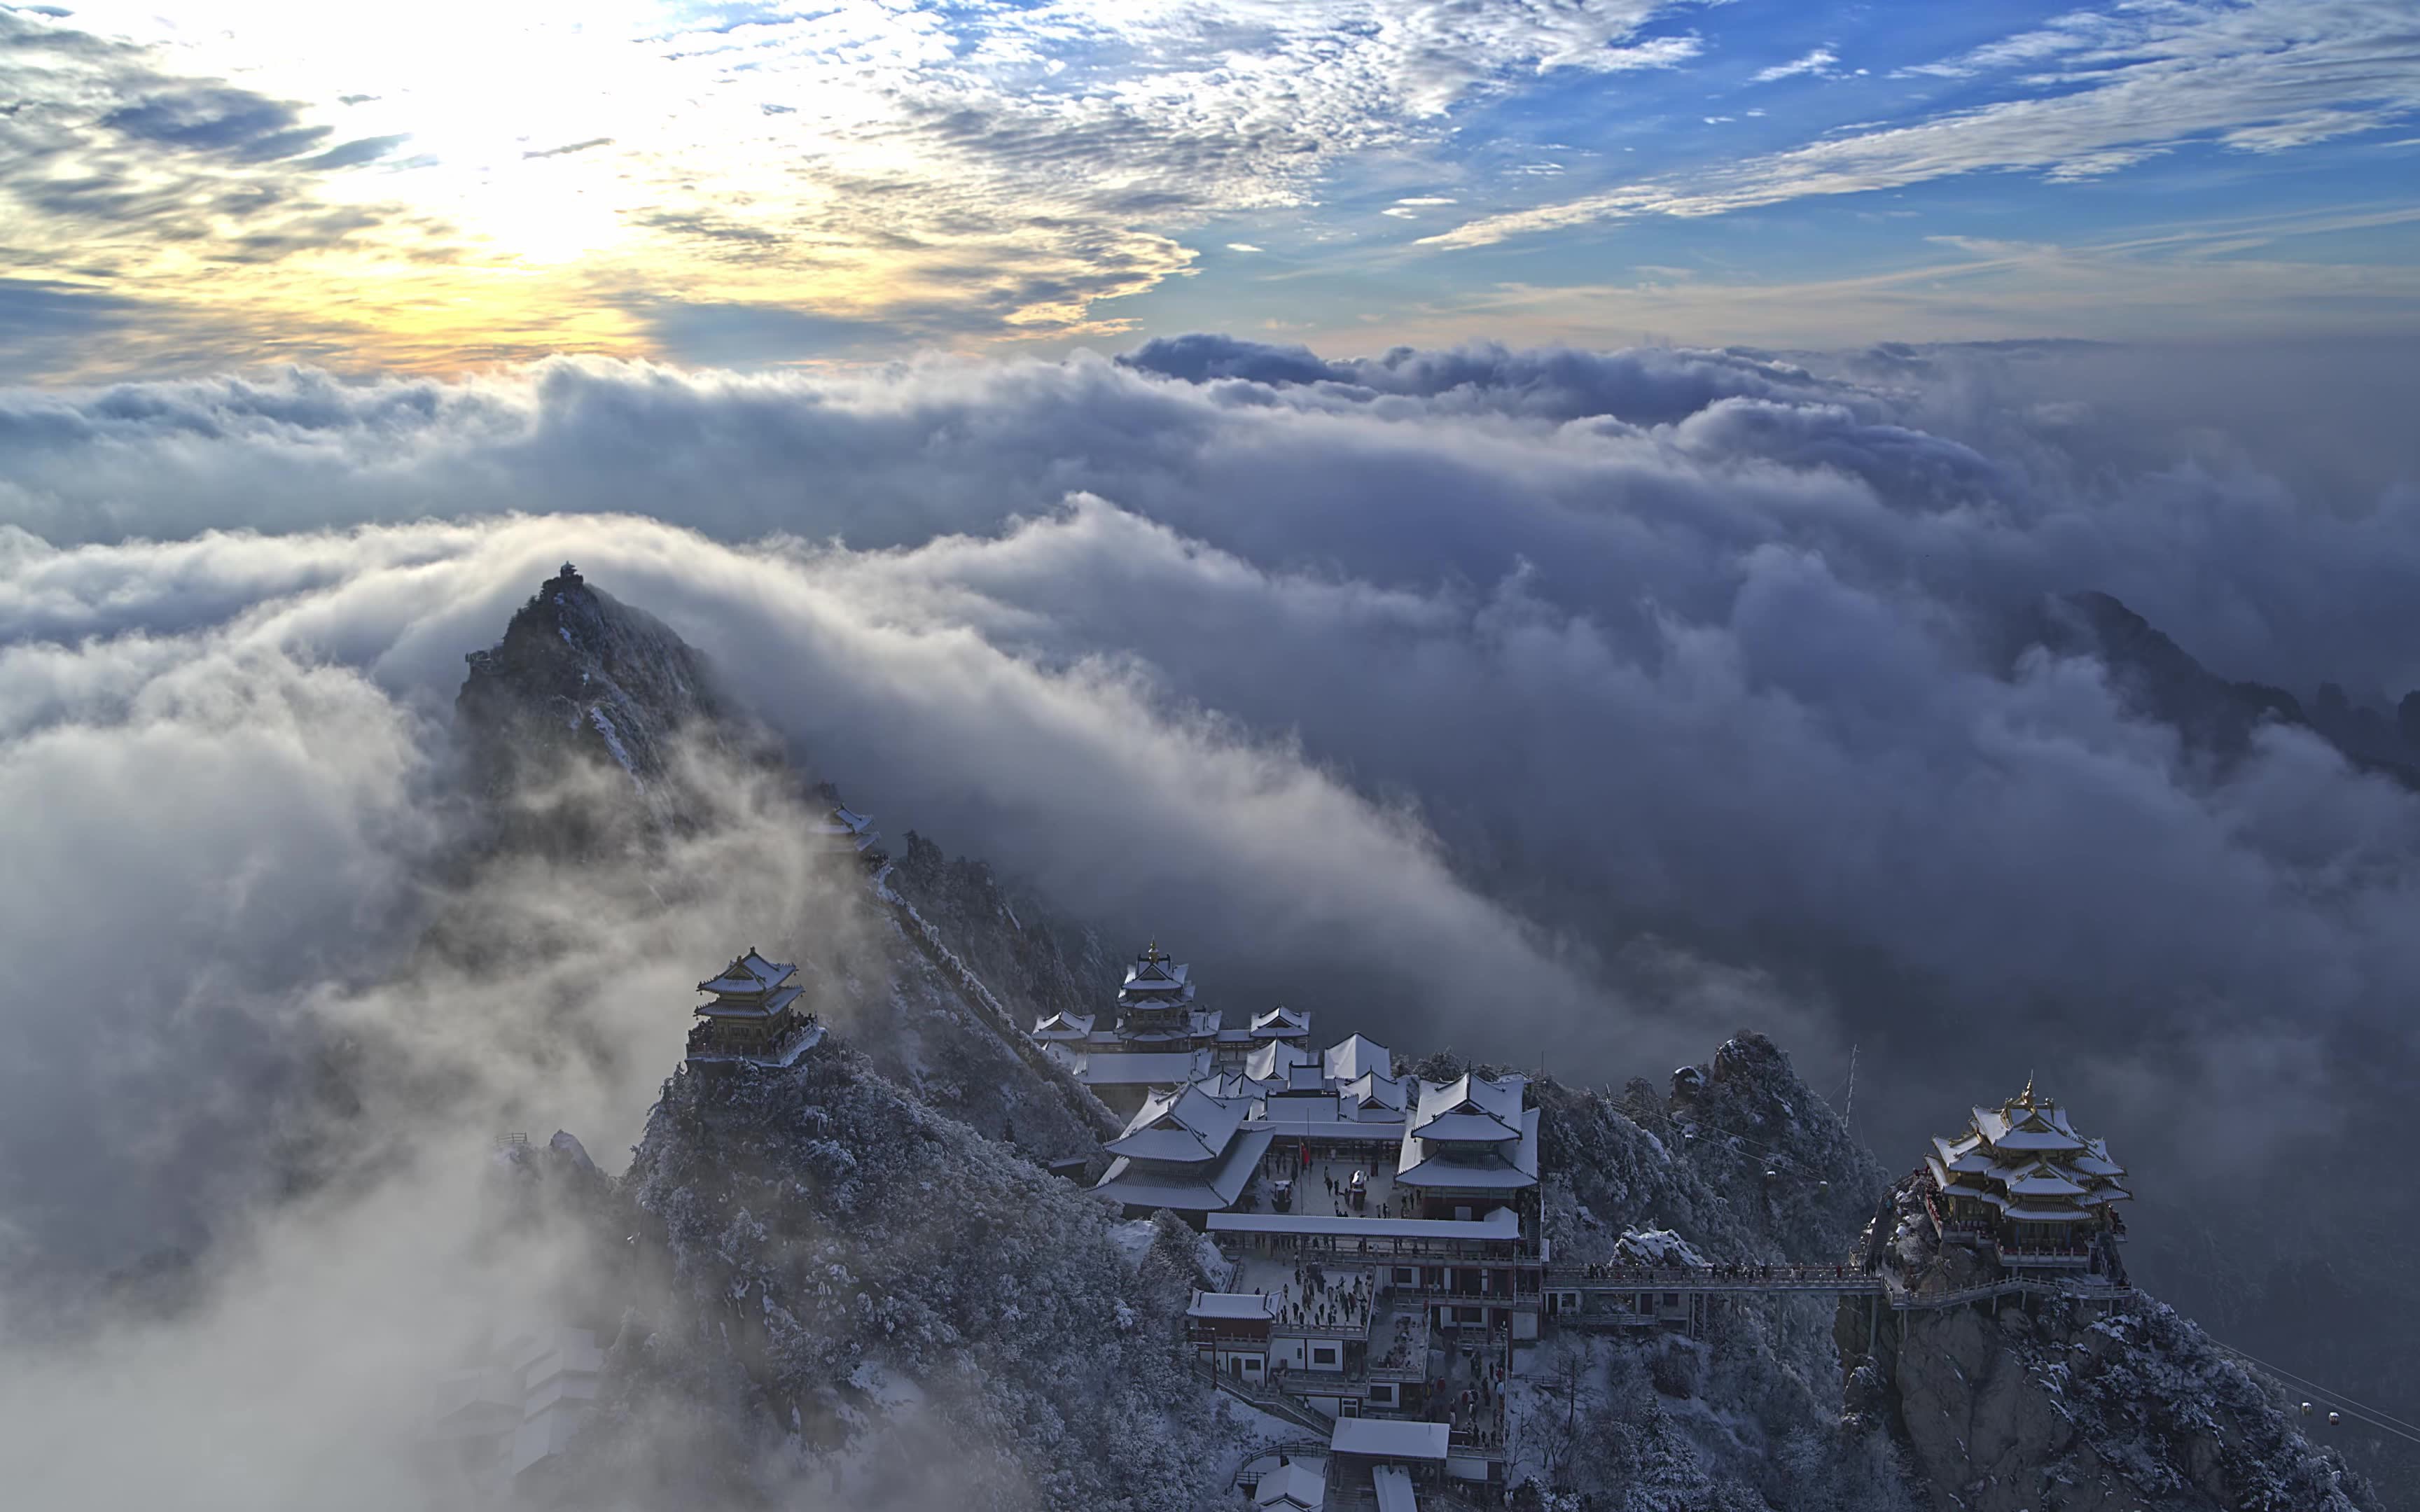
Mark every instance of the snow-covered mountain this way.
pixel 582 674
pixel 855 1281
pixel 2038 1402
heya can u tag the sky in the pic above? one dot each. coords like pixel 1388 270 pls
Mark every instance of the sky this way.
pixel 1528 527
pixel 459 186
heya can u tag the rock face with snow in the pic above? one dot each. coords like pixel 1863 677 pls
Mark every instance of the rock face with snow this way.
pixel 863 1301
pixel 1747 1414
pixel 580 677
pixel 852 1282
pixel 2044 1403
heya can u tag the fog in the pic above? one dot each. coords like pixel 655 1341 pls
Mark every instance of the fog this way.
pixel 1556 706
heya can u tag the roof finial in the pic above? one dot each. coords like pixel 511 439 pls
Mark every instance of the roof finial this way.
pixel 2026 1097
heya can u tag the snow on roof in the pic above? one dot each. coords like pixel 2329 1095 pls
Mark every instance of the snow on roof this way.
pixel 1270 1062
pixel 1481 1108
pixel 1281 1020
pixel 1305 1076
pixel 1421 1163
pixel 740 1007
pixel 749 973
pixel 1376 1091
pixel 1071 1025
pixel 1380 1437
pixel 1393 1486
pixel 1353 1057
pixel 1251 1306
pixel 1187 1125
pixel 1154 974
pixel 2042 1179
pixel 1141 1185
pixel 1296 1486
pixel 840 820
pixel 1500 1223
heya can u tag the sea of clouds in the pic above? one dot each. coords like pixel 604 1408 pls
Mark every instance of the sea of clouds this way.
pixel 1564 706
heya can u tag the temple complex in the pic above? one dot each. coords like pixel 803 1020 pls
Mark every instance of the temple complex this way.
pixel 752 1016
pixel 2022 1186
pixel 1158 1038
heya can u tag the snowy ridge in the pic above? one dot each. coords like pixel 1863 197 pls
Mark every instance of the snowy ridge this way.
pixel 1011 1030
pixel 863 1294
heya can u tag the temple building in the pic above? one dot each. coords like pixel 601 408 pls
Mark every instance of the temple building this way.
pixel 1469 1147
pixel 843 832
pixel 1185 1150
pixel 752 1016
pixel 1156 1001
pixel 2024 1186
pixel 1156 1037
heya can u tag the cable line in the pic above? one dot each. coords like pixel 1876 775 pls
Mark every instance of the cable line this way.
pixel 2359 1411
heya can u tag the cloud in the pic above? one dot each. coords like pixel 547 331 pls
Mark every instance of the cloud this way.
pixel 1818 61
pixel 1526 692
pixel 570 148
pixel 2113 92
pixel 995 171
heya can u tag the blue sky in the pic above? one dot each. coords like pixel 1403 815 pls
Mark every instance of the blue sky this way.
pixel 259 181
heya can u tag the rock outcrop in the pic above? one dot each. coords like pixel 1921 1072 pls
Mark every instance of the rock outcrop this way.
pixel 2037 1403
pixel 858 1299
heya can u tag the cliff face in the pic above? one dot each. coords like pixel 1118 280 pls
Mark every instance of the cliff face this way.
pixel 1745 1413
pixel 2045 1404
pixel 862 1299
pixel 581 682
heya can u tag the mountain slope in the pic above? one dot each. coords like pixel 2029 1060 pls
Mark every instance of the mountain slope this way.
pixel 890 1309
pixel 581 676
pixel 2038 1403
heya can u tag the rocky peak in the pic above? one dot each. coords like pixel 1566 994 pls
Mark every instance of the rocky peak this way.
pixel 581 678
pixel 2160 678
pixel 2031 1401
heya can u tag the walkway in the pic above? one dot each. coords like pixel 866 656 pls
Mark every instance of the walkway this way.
pixel 1830 1280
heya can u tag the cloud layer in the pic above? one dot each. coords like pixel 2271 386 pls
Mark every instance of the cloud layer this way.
pixel 1551 704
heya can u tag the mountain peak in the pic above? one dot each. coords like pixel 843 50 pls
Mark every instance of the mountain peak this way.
pixel 580 672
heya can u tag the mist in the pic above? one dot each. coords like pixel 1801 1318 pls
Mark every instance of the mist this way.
pixel 1552 705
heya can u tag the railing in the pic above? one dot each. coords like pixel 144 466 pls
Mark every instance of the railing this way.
pixel 1837 1279
pixel 1904 1301
pixel 1492 1299
pixel 2042 1255
pixel 1319 1330
pixel 1264 1397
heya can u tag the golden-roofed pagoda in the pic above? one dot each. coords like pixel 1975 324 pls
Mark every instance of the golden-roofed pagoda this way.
pixel 2023 1186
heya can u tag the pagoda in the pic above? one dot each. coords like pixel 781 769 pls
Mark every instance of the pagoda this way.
pixel 1156 1037
pixel 1156 1001
pixel 2022 1185
pixel 752 1015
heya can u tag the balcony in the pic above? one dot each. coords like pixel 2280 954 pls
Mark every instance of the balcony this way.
pixel 2071 1257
